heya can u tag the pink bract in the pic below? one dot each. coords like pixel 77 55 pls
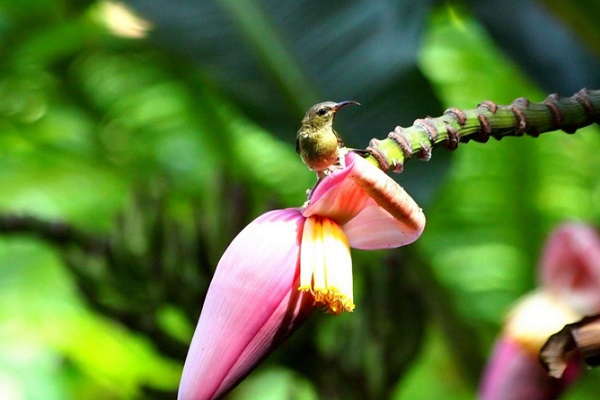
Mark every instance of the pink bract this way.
pixel 370 221
pixel 250 306
pixel 570 266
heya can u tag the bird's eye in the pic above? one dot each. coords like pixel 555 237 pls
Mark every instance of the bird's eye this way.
pixel 322 111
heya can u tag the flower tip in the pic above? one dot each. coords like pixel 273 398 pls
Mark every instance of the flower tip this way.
pixel 333 301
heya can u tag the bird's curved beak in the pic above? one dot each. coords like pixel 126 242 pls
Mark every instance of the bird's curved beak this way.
pixel 342 104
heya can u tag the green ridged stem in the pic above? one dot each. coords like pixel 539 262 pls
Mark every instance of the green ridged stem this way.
pixel 521 117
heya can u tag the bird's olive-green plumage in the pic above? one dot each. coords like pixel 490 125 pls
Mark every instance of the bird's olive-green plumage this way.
pixel 317 142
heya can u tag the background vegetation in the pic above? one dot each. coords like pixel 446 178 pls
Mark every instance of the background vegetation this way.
pixel 127 164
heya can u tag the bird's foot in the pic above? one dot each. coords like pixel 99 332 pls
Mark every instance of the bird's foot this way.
pixel 361 152
pixel 320 176
pixel 339 165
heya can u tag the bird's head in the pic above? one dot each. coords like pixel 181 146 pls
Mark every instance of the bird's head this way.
pixel 321 115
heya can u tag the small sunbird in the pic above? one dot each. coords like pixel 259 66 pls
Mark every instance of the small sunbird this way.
pixel 318 144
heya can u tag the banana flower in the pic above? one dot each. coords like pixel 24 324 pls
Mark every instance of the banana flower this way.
pixel 287 263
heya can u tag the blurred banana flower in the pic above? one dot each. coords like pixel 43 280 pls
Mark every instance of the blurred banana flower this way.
pixel 285 264
pixel 570 289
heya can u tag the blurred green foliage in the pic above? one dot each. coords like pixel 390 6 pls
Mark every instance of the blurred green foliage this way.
pixel 128 164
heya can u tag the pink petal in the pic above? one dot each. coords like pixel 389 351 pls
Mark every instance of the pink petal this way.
pixel 513 372
pixel 374 211
pixel 337 196
pixel 251 306
pixel 570 266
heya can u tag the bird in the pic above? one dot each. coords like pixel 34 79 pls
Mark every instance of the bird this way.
pixel 319 145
